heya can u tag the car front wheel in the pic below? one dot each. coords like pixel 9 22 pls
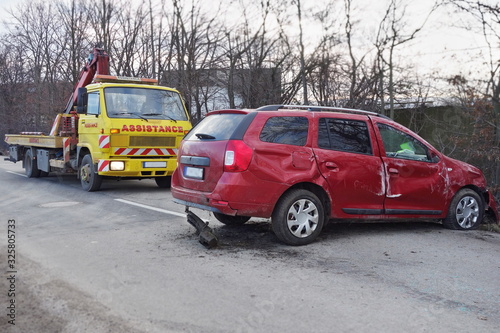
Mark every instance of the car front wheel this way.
pixel 298 217
pixel 466 211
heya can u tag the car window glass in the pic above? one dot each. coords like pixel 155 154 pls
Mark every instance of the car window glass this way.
pixel 285 130
pixel 398 144
pixel 344 135
pixel 93 103
pixel 216 127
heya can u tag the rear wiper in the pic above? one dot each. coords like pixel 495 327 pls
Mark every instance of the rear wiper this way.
pixel 202 136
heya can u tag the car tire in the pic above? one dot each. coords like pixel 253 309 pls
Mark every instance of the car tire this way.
pixel 89 178
pixel 30 165
pixel 231 220
pixel 298 217
pixel 466 211
pixel 163 182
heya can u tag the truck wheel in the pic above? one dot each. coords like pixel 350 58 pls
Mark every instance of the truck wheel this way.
pixel 298 217
pixel 89 178
pixel 30 165
pixel 163 182
pixel 231 220
pixel 466 211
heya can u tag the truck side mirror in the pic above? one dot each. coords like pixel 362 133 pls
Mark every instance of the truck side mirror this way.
pixel 82 101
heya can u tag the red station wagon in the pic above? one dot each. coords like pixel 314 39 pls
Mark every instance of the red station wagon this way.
pixel 304 166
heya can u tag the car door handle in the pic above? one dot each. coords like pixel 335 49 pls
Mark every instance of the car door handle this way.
pixel 332 165
pixel 394 171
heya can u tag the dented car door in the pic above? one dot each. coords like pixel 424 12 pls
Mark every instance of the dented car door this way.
pixel 349 160
pixel 416 176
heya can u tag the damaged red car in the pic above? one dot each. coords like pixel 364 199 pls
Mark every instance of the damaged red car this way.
pixel 305 166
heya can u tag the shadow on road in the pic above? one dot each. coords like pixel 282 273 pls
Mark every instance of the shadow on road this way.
pixel 258 235
pixel 108 185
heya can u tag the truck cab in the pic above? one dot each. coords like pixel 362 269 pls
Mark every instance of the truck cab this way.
pixel 130 128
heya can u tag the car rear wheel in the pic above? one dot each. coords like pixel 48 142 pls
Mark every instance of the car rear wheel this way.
pixel 466 211
pixel 231 220
pixel 298 217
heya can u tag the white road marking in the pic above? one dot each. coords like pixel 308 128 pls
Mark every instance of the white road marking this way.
pixel 151 208
pixel 17 173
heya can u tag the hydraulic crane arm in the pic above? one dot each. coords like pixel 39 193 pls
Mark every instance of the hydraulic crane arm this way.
pixel 98 63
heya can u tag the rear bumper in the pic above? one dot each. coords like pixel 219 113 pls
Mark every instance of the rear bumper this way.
pixel 243 199
pixel 195 205
pixel 201 200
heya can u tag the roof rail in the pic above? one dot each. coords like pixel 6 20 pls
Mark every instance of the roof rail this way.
pixel 276 107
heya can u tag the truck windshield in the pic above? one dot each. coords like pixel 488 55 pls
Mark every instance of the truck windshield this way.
pixel 125 102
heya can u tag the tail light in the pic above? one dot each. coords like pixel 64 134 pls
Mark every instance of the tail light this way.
pixel 238 156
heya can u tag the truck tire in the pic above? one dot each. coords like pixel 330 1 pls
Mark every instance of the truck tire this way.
pixel 163 182
pixel 30 165
pixel 89 178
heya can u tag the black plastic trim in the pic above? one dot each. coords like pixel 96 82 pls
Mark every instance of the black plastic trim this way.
pixel 195 160
pixel 362 211
pixel 412 212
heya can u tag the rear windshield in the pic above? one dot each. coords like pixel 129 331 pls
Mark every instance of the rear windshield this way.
pixel 216 127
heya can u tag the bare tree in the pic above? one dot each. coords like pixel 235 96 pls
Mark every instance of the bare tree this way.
pixel 39 35
pixel 127 45
pixel 195 41
pixel 391 35
pixel 487 15
pixel 102 15
pixel 74 20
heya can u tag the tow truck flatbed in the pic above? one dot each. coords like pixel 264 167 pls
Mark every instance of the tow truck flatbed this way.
pixel 35 140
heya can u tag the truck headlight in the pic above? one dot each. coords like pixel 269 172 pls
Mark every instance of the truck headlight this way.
pixel 117 165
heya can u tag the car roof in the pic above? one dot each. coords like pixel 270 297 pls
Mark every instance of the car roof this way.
pixel 303 108
pixel 315 108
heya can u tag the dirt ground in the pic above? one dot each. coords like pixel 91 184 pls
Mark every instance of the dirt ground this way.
pixel 45 305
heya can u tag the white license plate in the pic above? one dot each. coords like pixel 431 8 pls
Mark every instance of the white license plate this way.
pixel 154 164
pixel 192 172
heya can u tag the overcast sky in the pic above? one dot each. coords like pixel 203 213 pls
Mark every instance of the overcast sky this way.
pixel 433 44
pixel 5 4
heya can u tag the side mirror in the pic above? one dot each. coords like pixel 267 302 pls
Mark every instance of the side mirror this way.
pixel 82 101
pixel 433 157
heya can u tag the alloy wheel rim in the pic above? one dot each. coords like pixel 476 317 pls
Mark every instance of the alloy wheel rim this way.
pixel 467 212
pixel 302 218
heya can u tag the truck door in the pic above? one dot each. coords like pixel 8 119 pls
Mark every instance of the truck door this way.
pixel 415 175
pixel 351 165
pixel 91 123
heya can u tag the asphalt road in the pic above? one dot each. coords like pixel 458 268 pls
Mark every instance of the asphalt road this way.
pixel 124 259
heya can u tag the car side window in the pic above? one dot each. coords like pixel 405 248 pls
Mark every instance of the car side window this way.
pixel 344 135
pixel 285 130
pixel 93 104
pixel 398 144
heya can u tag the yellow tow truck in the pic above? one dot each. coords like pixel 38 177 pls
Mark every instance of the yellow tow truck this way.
pixel 118 127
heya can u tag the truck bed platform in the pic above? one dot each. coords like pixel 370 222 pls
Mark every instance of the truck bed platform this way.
pixel 45 141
